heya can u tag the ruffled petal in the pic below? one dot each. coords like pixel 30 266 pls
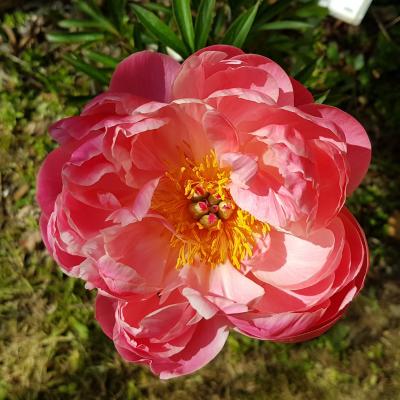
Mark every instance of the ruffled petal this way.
pixel 207 341
pixel 358 143
pixel 146 74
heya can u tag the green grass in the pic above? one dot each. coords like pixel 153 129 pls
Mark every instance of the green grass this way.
pixel 50 344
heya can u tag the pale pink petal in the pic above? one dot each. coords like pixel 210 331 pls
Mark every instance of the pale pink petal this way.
pixel 140 207
pixel 226 281
pixel 243 167
pixel 295 263
pixel 146 74
pixel 200 303
pixel 224 286
pixel 115 279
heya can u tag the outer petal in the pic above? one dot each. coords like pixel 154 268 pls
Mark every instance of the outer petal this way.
pixel 49 183
pixel 105 313
pixel 207 341
pixel 358 143
pixel 292 322
pixel 231 51
pixel 146 74
pixel 301 94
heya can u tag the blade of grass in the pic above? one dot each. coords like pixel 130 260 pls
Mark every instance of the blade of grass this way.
pixel 87 69
pixel 237 33
pixel 183 17
pixel 204 22
pixel 74 37
pixel 160 30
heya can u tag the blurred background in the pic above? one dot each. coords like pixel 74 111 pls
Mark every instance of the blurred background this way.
pixel 54 56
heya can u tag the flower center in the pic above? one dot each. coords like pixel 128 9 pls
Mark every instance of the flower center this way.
pixel 209 226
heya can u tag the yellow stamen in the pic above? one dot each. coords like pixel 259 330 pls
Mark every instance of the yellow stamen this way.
pixel 213 243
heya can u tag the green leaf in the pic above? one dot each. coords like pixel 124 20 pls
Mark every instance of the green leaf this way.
pixel 277 25
pixel 183 17
pixel 88 69
pixel 104 59
pixel 157 8
pixel 117 11
pixel 160 30
pixel 96 15
pixel 312 11
pixel 306 72
pixel 74 37
pixel 204 22
pixel 321 99
pixel 79 23
pixel 237 33
pixel 273 10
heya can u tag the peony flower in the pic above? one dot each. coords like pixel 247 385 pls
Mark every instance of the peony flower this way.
pixel 203 197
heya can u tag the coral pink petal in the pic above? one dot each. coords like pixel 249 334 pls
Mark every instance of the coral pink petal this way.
pixel 230 51
pixel 145 247
pixel 49 183
pixel 146 74
pixel 358 143
pixel 276 300
pixel 276 326
pixel 301 94
pixel 105 314
pixel 207 341
pixel 282 80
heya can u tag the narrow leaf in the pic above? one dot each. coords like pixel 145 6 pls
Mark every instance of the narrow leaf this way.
pixel 74 37
pixel 277 25
pixel 237 33
pixel 79 23
pixel 117 11
pixel 321 99
pixel 306 72
pixel 312 11
pixel 160 30
pixel 204 22
pixel 157 8
pixel 94 13
pixel 273 10
pixel 183 17
pixel 104 59
pixel 88 69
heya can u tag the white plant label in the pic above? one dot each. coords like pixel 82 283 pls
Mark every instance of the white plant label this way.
pixel 350 11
